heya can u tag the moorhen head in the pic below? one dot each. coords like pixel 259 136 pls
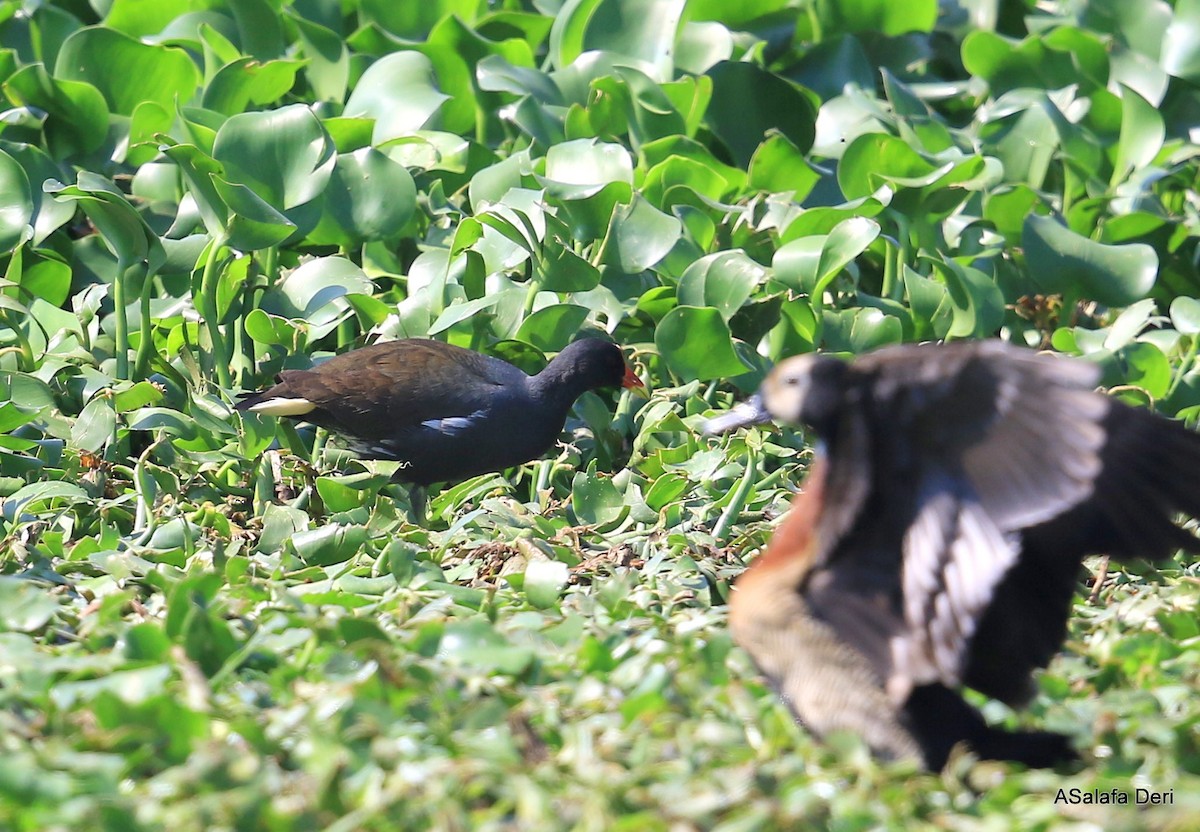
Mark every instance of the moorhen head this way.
pixel 444 412
pixel 938 540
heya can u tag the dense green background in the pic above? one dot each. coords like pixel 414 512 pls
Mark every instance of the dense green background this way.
pixel 199 633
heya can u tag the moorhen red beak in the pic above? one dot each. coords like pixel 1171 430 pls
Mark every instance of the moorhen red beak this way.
pixel 445 413
pixel 937 542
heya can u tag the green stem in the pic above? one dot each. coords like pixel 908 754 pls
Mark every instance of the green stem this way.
pixel 740 496
pixel 535 283
pixel 1188 360
pixel 121 349
pixel 208 311
pixel 271 264
pixel 141 367
pixel 23 347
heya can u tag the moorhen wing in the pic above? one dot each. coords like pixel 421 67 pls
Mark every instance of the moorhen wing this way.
pixel 938 539
pixel 444 412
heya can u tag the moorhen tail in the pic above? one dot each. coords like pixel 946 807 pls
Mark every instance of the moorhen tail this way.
pixel 938 540
pixel 444 412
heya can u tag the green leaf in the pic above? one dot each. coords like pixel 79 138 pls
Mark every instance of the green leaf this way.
pixel 16 203
pixel 329 544
pixel 553 327
pixel 127 71
pixel 24 606
pixel 1185 315
pixel 1142 134
pixel 724 281
pixel 839 16
pixel 400 92
pixel 748 103
pixel 696 344
pixel 544 582
pixel 640 236
pixel 76 113
pixel 95 426
pixel 369 197
pixel 595 501
pixel 284 156
pixel 1062 261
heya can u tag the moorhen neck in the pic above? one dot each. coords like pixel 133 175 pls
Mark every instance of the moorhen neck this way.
pixel 445 413
pixel 938 540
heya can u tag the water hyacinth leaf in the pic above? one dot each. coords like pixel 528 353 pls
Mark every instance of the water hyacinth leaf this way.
pixel 678 179
pixel 1180 47
pixel 857 331
pixel 633 29
pixel 595 501
pixel 76 113
pixel 1185 315
pixel 476 643
pixel 39 496
pixel 977 301
pixel 565 271
pixel 48 214
pixel 581 168
pixel 1144 365
pixel 874 159
pixel 544 582
pixel 121 227
pixel 1142 134
pixel 369 197
pixel 1129 324
pixel 14 416
pixel 640 236
pixel 252 223
pixel 95 426
pixel 778 166
pixel 134 396
pixel 666 489
pixel 748 103
pixel 696 344
pixel 724 281
pixel 553 327
pixel 24 606
pixel 272 330
pixel 285 156
pixel 930 305
pixel 809 264
pixel 315 293
pixel 171 422
pixel 330 544
pixel 1059 260
pixel 400 92
pixel 16 203
pixel 127 71
pixel 838 16
pixel 245 82
pixel 1049 61
pixel 25 390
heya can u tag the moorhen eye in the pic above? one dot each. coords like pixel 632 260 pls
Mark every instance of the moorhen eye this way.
pixel 937 541
pixel 445 413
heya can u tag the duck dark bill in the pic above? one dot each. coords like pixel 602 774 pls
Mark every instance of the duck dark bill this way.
pixel 744 414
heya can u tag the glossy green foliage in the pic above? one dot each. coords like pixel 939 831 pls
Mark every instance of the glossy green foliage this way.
pixel 210 621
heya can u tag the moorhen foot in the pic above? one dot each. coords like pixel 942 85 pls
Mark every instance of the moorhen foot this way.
pixel 938 539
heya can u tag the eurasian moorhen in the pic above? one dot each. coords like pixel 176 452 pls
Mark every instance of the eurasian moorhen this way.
pixel 938 540
pixel 446 413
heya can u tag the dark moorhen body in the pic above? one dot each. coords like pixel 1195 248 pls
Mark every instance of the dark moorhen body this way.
pixel 446 413
pixel 938 539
